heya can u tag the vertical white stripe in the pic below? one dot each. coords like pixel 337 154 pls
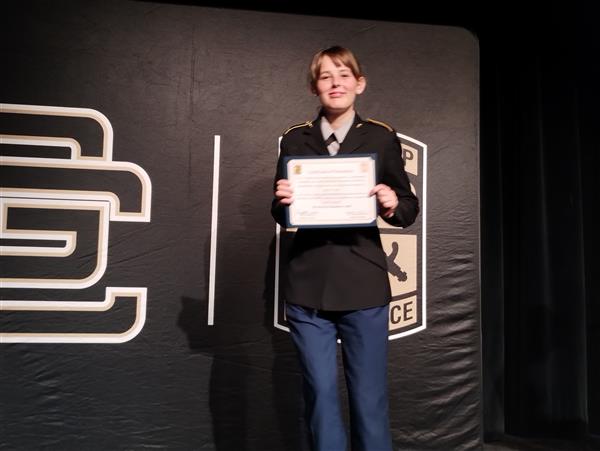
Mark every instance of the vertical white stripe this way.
pixel 213 231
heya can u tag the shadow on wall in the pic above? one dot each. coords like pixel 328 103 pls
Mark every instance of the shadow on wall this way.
pixel 255 385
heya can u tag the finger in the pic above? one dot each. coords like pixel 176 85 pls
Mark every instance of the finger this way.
pixel 386 195
pixel 377 188
pixel 388 201
pixel 283 195
pixel 284 189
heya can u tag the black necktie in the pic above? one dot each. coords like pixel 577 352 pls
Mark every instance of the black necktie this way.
pixel 332 144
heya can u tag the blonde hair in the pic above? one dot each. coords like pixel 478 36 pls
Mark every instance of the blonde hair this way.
pixel 340 56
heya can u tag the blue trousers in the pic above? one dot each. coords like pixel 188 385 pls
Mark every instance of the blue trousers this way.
pixel 364 336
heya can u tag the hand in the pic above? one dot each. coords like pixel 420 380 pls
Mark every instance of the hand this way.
pixel 284 192
pixel 387 199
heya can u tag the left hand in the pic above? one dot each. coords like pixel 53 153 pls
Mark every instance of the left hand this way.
pixel 387 199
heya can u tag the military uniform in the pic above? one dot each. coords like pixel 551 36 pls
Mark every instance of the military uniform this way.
pixel 337 286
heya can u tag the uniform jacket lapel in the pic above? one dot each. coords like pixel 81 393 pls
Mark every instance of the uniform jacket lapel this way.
pixel 314 138
pixel 355 137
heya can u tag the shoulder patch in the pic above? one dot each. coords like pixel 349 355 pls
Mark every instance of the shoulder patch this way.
pixel 382 124
pixel 303 124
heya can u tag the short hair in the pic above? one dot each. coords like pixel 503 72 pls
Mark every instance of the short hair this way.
pixel 340 56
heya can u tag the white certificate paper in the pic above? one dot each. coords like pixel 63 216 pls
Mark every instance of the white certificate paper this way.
pixel 332 191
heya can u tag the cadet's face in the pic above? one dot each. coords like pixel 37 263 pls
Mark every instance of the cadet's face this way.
pixel 337 87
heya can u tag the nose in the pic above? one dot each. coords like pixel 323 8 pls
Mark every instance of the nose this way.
pixel 335 81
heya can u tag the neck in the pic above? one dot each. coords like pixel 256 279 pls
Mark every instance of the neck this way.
pixel 336 118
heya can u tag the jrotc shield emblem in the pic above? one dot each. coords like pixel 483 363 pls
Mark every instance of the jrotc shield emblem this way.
pixel 405 250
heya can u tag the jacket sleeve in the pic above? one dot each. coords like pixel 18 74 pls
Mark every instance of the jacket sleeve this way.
pixel 394 175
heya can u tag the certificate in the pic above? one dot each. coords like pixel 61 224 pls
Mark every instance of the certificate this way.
pixel 332 191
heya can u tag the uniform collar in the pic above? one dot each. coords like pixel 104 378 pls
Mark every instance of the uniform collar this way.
pixel 340 133
pixel 353 140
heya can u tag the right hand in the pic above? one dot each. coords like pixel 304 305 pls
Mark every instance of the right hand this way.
pixel 284 192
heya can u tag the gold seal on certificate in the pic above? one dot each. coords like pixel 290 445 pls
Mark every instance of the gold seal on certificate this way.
pixel 332 191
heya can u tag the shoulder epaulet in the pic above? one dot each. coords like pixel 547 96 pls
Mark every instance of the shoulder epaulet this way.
pixel 303 124
pixel 382 124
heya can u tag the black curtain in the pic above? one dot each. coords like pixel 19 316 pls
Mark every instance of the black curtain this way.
pixel 539 190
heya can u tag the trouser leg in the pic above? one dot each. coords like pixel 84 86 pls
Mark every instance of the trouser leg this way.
pixel 364 335
pixel 315 337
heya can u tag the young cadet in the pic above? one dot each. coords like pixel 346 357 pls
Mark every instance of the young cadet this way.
pixel 337 281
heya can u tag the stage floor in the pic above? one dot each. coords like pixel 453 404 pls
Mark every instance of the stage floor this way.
pixel 529 444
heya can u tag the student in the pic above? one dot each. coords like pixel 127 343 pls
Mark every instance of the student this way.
pixel 337 282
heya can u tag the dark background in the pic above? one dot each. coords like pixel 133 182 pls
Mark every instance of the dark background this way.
pixel 539 150
pixel 539 188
